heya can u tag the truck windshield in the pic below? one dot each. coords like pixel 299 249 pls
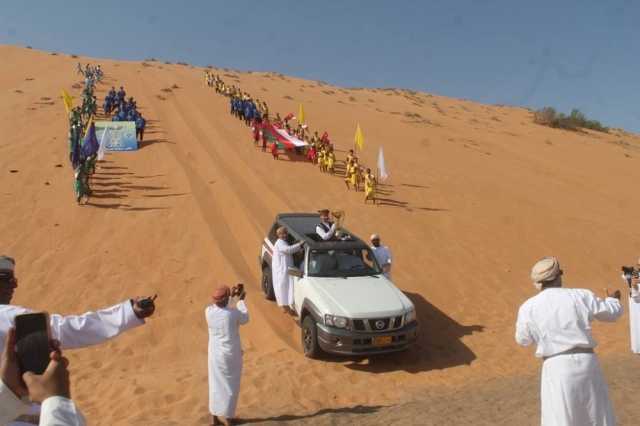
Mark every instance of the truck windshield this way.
pixel 342 263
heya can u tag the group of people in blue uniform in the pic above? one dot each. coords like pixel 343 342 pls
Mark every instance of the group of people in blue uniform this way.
pixel 124 110
pixel 246 109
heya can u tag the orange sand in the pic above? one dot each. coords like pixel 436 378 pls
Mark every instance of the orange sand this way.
pixel 477 194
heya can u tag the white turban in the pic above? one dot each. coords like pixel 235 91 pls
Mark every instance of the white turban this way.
pixel 546 269
pixel 7 263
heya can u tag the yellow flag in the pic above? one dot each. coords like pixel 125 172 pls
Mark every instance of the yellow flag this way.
pixel 86 130
pixel 301 115
pixel 359 139
pixel 67 100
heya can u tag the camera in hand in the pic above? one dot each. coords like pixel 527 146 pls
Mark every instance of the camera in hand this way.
pixel 629 273
pixel 147 302
pixel 237 290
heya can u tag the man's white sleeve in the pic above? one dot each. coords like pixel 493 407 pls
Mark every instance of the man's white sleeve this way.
pixel 609 309
pixel 293 248
pixel 10 405
pixel 59 411
pixel 523 335
pixel 635 293
pixel 243 316
pixel 92 328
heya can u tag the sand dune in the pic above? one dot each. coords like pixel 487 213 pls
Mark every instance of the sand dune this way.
pixel 477 194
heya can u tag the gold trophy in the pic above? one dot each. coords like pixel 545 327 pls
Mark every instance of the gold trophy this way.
pixel 338 216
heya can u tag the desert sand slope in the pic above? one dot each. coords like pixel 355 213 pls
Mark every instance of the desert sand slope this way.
pixel 477 194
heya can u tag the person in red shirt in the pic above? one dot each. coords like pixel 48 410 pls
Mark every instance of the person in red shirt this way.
pixel 274 150
pixel 256 132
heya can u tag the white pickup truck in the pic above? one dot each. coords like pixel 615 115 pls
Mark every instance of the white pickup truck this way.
pixel 345 305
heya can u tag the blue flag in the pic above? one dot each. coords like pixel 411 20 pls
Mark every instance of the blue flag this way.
pixel 90 145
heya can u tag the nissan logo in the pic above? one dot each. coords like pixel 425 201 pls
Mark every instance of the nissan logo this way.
pixel 379 325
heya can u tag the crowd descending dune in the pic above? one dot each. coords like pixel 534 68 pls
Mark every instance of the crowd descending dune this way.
pixel 477 194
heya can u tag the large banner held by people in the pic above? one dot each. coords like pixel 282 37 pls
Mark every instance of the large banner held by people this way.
pixel 280 136
pixel 120 136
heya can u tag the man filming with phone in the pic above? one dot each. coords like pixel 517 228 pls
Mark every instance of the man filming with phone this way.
pixel 72 331
pixel 225 351
pixel 50 388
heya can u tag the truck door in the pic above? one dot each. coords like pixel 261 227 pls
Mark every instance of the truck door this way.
pixel 298 283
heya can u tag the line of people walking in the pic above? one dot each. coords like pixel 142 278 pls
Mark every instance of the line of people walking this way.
pixel 318 150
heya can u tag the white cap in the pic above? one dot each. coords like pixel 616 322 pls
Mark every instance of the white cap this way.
pixel 374 237
pixel 546 269
pixel 7 263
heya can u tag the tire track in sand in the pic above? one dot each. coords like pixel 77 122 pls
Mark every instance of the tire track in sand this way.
pixel 212 214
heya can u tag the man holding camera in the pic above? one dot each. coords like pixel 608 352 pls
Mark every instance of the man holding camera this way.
pixel 225 352
pixel 573 391
pixel 631 276
pixel 72 331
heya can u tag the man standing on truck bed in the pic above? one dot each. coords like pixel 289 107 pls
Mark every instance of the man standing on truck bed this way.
pixel 282 260
pixel 325 229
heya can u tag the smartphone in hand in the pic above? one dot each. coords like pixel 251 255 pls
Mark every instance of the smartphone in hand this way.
pixel 33 342
pixel 147 302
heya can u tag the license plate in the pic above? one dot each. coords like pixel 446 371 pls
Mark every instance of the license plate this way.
pixel 382 340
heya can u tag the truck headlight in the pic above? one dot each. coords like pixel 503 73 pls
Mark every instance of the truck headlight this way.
pixel 410 316
pixel 336 321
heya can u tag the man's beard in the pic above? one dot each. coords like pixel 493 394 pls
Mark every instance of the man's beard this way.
pixel 5 297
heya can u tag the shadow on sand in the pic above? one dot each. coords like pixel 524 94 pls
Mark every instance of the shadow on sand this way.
pixel 358 409
pixel 438 346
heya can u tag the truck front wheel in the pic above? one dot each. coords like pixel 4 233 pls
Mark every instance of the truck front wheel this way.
pixel 267 284
pixel 310 338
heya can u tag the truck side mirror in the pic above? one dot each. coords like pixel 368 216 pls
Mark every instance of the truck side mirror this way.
pixel 294 272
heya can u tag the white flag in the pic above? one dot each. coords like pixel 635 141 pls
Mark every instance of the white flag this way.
pixel 382 170
pixel 103 144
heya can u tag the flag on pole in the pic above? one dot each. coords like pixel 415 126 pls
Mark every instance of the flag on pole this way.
pixel 67 100
pixel 103 144
pixel 382 170
pixel 90 144
pixel 89 123
pixel 301 115
pixel 359 138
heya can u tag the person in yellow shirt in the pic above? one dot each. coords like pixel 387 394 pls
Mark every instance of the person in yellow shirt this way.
pixel 321 155
pixel 355 174
pixel 348 169
pixel 369 187
pixel 331 160
pixel 349 157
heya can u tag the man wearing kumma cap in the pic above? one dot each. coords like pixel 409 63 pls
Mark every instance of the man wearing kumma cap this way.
pixel 573 391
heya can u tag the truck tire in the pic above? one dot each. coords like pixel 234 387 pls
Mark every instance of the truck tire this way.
pixel 267 284
pixel 310 338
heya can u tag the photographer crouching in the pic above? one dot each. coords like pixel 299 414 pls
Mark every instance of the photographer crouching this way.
pixel 225 351
pixel 631 276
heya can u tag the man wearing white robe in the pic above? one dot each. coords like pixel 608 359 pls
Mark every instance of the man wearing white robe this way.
pixel 634 312
pixel 72 331
pixel 573 391
pixel 382 254
pixel 225 354
pixel 282 259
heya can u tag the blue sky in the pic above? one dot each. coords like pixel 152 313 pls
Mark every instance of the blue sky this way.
pixel 565 54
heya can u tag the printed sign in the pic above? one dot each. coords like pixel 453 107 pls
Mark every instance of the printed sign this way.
pixel 120 135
